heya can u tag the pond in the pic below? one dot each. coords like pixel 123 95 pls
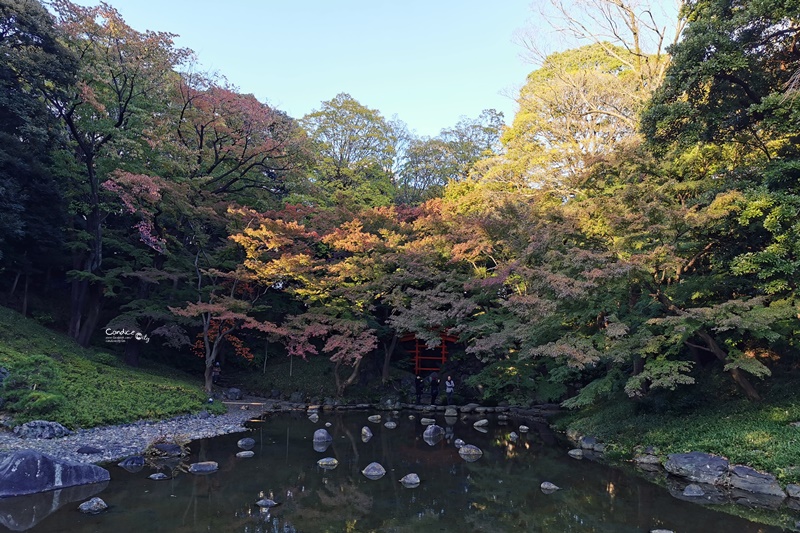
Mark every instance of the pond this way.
pixel 498 492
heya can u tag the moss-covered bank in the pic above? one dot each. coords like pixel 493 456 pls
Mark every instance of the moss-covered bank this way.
pixel 714 419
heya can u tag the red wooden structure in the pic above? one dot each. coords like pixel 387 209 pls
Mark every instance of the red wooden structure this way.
pixel 434 358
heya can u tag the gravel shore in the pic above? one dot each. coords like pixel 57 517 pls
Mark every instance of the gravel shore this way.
pixel 119 442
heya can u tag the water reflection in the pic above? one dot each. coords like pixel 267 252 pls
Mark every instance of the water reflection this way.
pixel 500 491
pixel 22 513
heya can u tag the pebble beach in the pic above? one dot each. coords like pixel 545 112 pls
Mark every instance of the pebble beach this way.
pixel 119 442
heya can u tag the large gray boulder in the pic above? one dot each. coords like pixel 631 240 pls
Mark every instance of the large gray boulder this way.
pixel 322 435
pixel 29 472
pixel 374 471
pixel 322 440
pixel 233 394
pixel 41 429
pixel 751 480
pixel 433 434
pixel 697 466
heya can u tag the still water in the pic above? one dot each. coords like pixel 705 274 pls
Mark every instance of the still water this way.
pixel 499 492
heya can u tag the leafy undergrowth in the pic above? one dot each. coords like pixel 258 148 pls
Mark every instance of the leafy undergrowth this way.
pixel 313 376
pixel 757 434
pixel 52 378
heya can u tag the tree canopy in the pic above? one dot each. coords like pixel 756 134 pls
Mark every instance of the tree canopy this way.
pixel 635 229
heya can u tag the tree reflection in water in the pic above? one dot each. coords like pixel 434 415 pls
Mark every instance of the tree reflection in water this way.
pixel 498 492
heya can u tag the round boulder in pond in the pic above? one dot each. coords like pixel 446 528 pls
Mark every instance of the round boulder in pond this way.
pixel 410 481
pixel 374 418
pixel 374 471
pixel 328 463
pixel 433 434
pixel 246 443
pixel 549 488
pixel 366 434
pixel 322 435
pixel 132 464
pixel 470 452
pixel 204 467
pixel 390 425
pixel 93 506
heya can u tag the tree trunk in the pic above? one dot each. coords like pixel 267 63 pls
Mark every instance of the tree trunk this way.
pixel 25 295
pixel 388 351
pixel 342 385
pixel 92 302
pixel 737 375
pixel 87 295
pixel 209 377
pixel 14 285
pixel 77 299
pixel 211 355
pixel 133 349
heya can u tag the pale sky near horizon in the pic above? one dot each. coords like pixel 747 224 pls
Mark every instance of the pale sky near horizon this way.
pixel 429 62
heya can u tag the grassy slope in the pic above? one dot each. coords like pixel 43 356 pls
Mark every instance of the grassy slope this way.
pixel 757 434
pixel 54 379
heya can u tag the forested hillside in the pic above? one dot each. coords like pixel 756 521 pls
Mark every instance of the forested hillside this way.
pixel 634 229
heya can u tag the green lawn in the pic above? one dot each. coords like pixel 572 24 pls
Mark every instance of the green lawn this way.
pixel 52 378
pixel 757 434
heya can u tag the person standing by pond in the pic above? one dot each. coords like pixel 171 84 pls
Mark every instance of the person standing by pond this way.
pixel 449 387
pixel 419 385
pixel 216 372
pixel 434 387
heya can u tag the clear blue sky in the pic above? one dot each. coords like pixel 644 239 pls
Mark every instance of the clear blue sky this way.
pixel 426 61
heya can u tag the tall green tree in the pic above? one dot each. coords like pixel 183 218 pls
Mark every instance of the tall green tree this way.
pixel 355 148
pixel 428 164
pixel 728 77
pixel 122 78
pixel 32 206
pixel 579 106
